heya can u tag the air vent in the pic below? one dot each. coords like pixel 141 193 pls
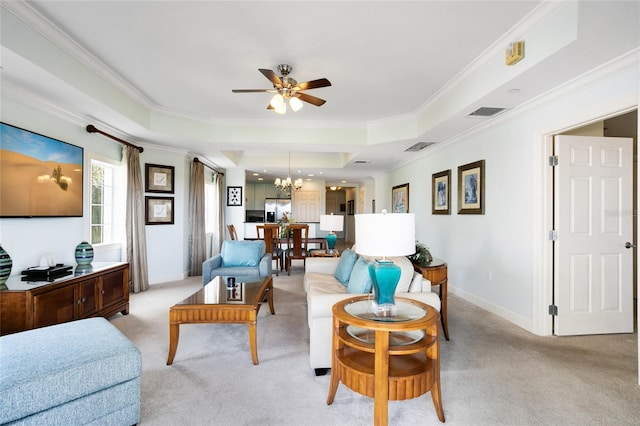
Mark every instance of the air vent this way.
pixel 486 112
pixel 361 162
pixel 418 146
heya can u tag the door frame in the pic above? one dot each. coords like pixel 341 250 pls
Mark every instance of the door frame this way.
pixel 542 296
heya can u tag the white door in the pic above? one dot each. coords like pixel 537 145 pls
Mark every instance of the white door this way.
pixel 593 271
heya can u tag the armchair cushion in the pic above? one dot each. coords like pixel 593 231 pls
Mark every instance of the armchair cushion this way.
pixel 242 253
pixel 345 266
pixel 360 280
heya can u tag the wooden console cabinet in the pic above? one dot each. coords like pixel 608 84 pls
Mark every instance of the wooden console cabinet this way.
pixel 102 292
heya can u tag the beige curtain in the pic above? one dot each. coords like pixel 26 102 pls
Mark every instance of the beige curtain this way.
pixel 136 240
pixel 197 233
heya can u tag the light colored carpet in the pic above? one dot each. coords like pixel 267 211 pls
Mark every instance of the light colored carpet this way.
pixel 492 372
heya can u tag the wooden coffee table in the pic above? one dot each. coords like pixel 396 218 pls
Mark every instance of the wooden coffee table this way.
pixel 218 303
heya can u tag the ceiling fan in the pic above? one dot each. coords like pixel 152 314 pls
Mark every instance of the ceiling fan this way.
pixel 288 89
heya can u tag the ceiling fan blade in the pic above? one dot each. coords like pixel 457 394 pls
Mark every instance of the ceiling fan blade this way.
pixel 311 99
pixel 251 90
pixel 272 76
pixel 313 84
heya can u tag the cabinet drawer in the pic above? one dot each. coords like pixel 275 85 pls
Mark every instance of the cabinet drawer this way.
pixel 54 307
pixel 113 288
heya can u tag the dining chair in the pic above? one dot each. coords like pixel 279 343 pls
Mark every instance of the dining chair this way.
pixel 270 233
pixel 297 243
pixel 232 232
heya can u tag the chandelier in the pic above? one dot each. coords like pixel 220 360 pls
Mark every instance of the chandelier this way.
pixel 285 185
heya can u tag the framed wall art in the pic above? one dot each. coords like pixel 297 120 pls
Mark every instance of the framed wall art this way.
pixel 400 198
pixel 441 192
pixel 234 196
pixel 351 207
pixel 471 197
pixel 158 210
pixel 159 178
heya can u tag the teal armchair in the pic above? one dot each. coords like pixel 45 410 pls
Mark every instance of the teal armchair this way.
pixel 238 258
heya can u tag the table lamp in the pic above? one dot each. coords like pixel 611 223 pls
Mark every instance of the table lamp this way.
pixel 331 223
pixel 380 235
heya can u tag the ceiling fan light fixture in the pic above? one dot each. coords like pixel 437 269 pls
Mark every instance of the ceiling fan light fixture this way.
pixel 281 109
pixel 295 104
pixel 277 101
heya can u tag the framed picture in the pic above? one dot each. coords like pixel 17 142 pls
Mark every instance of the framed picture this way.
pixel 159 178
pixel 441 192
pixel 39 176
pixel 158 210
pixel 400 198
pixel 234 196
pixel 471 188
pixel 351 207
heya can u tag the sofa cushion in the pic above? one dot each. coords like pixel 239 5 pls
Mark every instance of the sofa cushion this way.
pixel 242 253
pixel 343 271
pixel 360 280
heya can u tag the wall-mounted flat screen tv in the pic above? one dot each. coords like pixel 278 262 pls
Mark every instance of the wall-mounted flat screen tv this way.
pixel 39 176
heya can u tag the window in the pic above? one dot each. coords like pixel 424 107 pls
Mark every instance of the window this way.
pixel 105 201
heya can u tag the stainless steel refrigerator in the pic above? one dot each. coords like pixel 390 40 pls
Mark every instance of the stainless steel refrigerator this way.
pixel 274 208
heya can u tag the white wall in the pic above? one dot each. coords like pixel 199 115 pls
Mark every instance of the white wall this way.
pixel 234 214
pixel 26 240
pixel 499 260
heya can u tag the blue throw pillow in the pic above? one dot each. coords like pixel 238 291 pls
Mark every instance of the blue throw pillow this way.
pixel 345 265
pixel 360 280
pixel 241 253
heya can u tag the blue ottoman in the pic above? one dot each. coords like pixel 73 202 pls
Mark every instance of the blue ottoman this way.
pixel 76 373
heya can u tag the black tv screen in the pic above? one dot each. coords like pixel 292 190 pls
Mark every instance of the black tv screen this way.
pixel 39 176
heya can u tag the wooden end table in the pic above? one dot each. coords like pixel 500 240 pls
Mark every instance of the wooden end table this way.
pixel 386 358
pixel 218 303
pixel 324 253
pixel 436 272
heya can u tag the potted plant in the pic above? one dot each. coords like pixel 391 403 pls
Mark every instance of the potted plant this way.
pixel 422 256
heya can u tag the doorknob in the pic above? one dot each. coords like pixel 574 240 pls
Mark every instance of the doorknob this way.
pixel 629 245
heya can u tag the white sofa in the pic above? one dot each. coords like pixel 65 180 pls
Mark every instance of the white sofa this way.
pixel 324 290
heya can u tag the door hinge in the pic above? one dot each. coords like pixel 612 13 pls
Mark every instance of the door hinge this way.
pixel 553 160
pixel 553 310
pixel 553 235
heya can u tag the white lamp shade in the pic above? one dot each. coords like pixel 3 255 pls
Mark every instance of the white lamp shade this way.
pixel 295 104
pixel 385 234
pixel 277 100
pixel 330 222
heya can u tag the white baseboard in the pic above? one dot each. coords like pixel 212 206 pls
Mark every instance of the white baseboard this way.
pixel 517 319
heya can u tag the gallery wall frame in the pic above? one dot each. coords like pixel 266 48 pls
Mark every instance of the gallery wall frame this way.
pixel 158 210
pixel 471 196
pixel 158 178
pixel 400 198
pixel 441 192
pixel 234 196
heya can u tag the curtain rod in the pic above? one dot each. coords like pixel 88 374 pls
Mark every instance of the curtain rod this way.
pixel 92 129
pixel 197 160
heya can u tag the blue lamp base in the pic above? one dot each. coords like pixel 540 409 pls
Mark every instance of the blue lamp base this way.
pixel 385 276
pixel 331 242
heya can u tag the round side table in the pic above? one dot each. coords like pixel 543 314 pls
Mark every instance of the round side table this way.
pixel 393 357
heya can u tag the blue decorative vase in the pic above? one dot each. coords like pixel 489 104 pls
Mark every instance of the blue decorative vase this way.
pixel 5 266
pixel 384 276
pixel 331 241
pixel 84 253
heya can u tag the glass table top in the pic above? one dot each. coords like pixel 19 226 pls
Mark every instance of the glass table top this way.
pixel 222 291
pixel 401 311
